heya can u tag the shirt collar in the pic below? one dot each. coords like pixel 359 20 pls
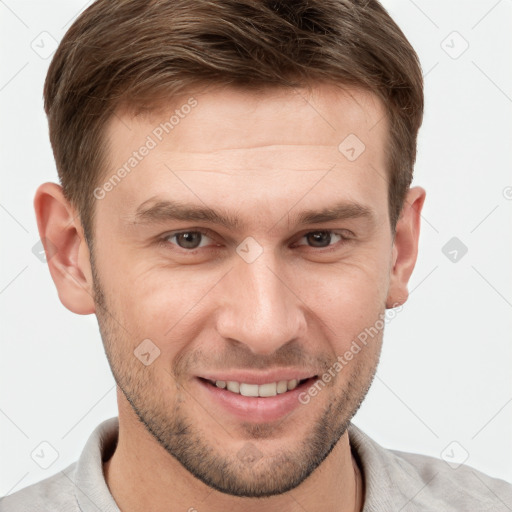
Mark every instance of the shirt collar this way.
pixel 91 490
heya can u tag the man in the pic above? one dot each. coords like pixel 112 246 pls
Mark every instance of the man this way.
pixel 235 207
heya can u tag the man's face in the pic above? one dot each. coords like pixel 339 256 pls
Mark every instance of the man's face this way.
pixel 269 293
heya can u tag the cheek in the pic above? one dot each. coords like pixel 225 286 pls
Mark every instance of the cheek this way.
pixel 357 287
pixel 165 305
pixel 347 299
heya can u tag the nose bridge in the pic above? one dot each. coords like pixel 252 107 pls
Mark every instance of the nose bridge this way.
pixel 260 310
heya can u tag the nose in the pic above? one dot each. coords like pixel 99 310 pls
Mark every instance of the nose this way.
pixel 259 306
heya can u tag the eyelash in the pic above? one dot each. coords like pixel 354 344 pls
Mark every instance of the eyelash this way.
pixel 164 240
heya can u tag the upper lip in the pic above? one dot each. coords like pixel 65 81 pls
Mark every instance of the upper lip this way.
pixel 258 377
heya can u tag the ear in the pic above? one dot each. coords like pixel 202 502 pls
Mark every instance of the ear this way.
pixel 405 247
pixel 67 253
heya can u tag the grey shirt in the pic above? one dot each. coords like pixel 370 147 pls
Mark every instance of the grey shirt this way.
pixel 394 481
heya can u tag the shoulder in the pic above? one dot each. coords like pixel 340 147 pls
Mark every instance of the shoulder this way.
pixel 55 493
pixel 80 487
pixel 457 487
pixel 413 482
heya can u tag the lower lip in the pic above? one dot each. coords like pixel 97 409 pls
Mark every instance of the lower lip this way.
pixel 256 409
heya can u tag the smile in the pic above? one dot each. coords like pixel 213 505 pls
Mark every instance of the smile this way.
pixel 261 390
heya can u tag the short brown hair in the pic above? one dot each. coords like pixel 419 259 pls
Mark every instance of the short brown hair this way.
pixel 123 52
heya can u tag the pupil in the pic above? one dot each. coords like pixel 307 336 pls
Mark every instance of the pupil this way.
pixel 189 237
pixel 320 236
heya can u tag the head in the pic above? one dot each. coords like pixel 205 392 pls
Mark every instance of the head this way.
pixel 235 196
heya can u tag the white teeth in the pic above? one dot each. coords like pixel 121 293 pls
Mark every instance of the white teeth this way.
pixel 248 389
pixel 282 386
pixel 292 384
pixel 263 390
pixel 233 386
pixel 268 389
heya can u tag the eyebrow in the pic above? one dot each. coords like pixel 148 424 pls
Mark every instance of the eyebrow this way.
pixel 157 210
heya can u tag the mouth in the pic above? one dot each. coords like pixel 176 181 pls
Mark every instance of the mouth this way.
pixel 255 403
pixel 268 389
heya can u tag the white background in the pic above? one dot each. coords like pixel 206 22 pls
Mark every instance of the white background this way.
pixel 445 373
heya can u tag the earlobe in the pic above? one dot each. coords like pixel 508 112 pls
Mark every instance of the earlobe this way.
pixel 405 247
pixel 66 249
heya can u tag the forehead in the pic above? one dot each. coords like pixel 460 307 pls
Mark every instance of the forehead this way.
pixel 231 145
pixel 228 113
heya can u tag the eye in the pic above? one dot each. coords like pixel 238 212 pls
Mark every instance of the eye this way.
pixel 320 239
pixel 188 239
pixel 196 239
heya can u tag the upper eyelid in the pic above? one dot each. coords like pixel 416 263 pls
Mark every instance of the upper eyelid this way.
pixel 204 231
pixel 209 233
